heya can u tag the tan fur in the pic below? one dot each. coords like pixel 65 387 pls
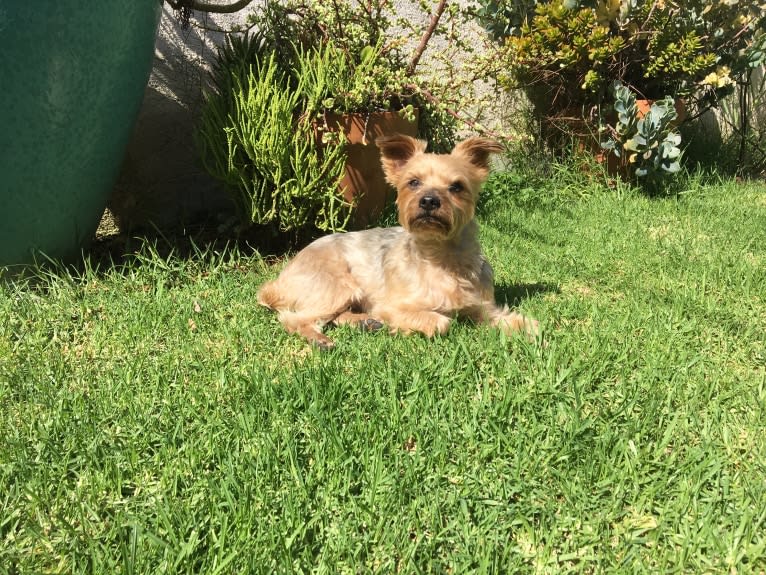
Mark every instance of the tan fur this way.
pixel 413 278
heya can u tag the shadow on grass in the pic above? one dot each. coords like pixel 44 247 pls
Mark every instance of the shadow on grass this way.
pixel 514 294
pixel 115 248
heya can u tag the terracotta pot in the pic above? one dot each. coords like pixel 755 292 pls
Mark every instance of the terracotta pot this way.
pixel 364 182
pixel 644 106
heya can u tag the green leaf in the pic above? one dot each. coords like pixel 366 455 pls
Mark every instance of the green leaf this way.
pixel 635 144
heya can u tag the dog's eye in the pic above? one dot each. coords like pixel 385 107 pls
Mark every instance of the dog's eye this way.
pixel 455 188
pixel 414 183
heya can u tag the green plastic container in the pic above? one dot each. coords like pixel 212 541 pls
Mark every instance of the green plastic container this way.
pixel 72 79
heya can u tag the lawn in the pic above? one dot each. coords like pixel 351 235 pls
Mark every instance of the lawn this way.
pixel 154 419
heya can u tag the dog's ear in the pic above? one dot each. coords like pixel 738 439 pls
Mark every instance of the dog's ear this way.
pixel 395 151
pixel 477 151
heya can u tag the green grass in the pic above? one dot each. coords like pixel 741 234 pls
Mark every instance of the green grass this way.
pixel 154 419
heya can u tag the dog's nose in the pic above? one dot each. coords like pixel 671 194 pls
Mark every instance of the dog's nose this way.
pixel 429 203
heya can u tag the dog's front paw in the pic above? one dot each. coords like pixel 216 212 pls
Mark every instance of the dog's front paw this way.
pixel 322 343
pixel 441 324
pixel 514 322
pixel 370 324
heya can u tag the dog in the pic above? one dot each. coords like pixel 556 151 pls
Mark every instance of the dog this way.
pixel 417 277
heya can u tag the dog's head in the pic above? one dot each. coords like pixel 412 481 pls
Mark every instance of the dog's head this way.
pixel 436 193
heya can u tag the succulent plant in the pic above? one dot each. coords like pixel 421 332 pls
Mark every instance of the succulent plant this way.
pixel 648 143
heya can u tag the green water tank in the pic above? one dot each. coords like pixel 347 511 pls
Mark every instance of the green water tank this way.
pixel 72 78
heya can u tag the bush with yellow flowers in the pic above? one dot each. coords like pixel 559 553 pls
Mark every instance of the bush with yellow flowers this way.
pixel 566 54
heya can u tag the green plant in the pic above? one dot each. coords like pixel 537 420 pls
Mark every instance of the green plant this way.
pixel 267 129
pixel 503 18
pixel 647 142
pixel 574 50
pixel 566 54
pixel 366 65
pixel 269 159
pixel 335 84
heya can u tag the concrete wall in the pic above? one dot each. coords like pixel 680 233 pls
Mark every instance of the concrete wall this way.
pixel 162 182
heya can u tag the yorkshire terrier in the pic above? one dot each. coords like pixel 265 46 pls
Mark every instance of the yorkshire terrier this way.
pixel 414 278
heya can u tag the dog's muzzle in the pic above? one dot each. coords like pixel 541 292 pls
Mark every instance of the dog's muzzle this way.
pixel 429 215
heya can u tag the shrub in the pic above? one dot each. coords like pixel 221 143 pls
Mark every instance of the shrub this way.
pixel 269 159
pixel 375 74
pixel 567 54
pixel 647 143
